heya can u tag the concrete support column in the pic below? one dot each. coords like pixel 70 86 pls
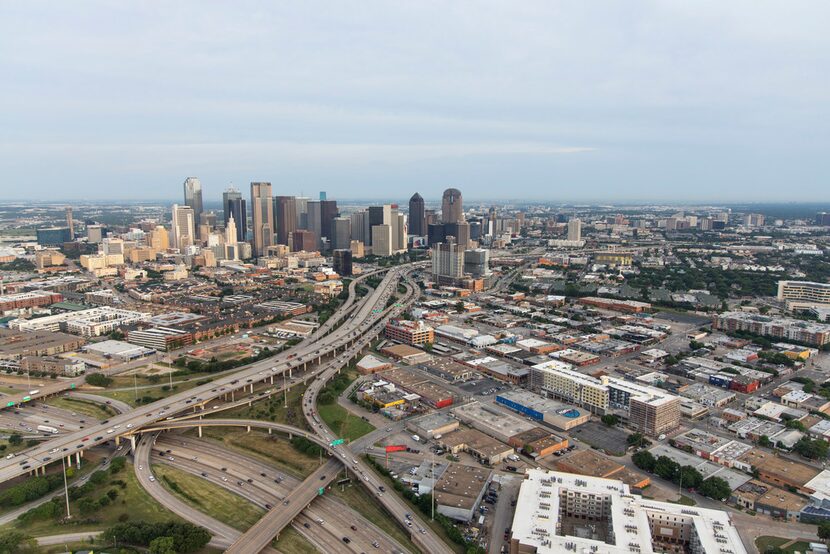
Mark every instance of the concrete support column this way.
pixel 252 388
pixel 200 431
pixel 232 398
pixel 272 379
pixel 249 428
pixel 132 443
pixel 118 440
pixel 269 430
pixel 78 459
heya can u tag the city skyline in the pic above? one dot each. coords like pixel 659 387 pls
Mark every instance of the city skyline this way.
pixel 717 103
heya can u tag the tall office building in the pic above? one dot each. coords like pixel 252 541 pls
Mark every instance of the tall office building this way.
pixel 184 227
pixel 159 239
pixel 315 224
pixel 360 226
pixel 328 211
pixel 379 215
pixel 304 240
pixel 398 222
pixel 302 211
pixel 70 223
pixel 451 210
pixel 95 233
pixel 382 240
pixel 285 214
pixel 477 262
pixel 262 217
pixel 342 231
pixel 322 196
pixel 417 216
pixel 823 219
pixel 574 229
pixel 461 232
pixel 343 262
pixel 234 204
pixel 447 261
pixel 193 198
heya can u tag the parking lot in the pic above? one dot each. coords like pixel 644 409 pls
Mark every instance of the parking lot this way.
pixel 601 436
pixel 482 387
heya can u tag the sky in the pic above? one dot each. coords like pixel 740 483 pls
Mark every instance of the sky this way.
pixel 557 101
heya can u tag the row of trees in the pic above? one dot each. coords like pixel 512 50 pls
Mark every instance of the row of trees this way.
pixel 686 476
pixel 169 537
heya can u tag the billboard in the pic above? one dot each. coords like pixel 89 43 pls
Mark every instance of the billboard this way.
pixel 395 448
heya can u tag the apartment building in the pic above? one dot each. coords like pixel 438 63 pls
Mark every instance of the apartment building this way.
pixel 409 332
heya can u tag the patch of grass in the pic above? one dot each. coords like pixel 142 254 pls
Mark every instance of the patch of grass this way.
pixel 685 501
pixel 91 409
pixel 157 392
pixel 271 449
pixel 342 423
pixel 356 497
pixel 293 542
pixel 273 409
pixel 132 502
pixel 209 498
pixel 765 542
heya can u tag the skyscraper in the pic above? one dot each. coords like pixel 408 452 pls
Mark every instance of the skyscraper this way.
pixel 417 216
pixel 262 217
pixel 574 229
pixel 314 223
pixel 193 198
pixel 447 261
pixel 234 204
pixel 184 228
pixel 303 240
pixel 343 262
pixel 70 223
pixel 302 212
pixel 328 211
pixel 360 226
pixel 451 210
pixel 379 215
pixel 285 214
pixel 342 231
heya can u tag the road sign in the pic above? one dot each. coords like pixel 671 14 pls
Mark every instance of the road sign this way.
pixel 337 442
pixel 10 404
pixel 320 491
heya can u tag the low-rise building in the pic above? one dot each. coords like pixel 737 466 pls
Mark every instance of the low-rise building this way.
pixel 409 332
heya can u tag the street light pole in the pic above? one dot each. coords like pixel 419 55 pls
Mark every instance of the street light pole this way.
pixel 65 487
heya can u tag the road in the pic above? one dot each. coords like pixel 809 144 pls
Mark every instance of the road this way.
pixel 268 488
pixel 362 320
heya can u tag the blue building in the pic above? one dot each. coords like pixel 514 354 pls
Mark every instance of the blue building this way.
pixel 53 236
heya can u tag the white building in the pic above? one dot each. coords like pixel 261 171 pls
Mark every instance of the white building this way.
pixel 565 512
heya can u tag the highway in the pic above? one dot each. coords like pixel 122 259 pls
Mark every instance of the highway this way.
pixel 352 329
pixel 268 488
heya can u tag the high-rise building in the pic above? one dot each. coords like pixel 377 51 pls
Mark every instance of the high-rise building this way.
pixel 823 219
pixel 70 223
pixel 159 239
pixel 262 217
pixel 304 240
pixel 417 217
pixel 754 220
pixel 574 229
pixel 360 226
pixel 234 204
pixel 184 228
pixel 399 231
pixel 285 214
pixel 193 198
pixel 477 262
pixel 328 211
pixel 435 233
pixel 322 195
pixel 379 215
pixel 315 223
pixel 447 261
pixel 451 209
pixel 343 262
pixel 302 211
pixel 342 231
pixel 461 232
pixel 95 233
pixel 382 240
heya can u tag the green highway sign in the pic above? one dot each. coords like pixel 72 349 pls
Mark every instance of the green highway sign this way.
pixel 337 442
pixel 10 404
pixel 320 491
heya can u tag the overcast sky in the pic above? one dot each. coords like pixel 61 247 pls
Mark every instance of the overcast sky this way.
pixel 668 100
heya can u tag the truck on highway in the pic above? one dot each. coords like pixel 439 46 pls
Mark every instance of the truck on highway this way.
pixel 35 391
pixel 47 429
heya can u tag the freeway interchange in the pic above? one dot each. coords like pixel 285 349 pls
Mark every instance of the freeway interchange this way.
pixel 338 341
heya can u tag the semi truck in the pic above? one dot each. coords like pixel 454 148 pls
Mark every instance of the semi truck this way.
pixel 47 429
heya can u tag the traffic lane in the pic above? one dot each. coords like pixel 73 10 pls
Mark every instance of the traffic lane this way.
pixel 174 404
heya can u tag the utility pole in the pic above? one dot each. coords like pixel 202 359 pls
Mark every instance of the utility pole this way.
pixel 65 487
pixel 135 386
pixel 433 486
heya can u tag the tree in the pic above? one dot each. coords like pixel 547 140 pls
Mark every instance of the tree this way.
pixel 667 468
pixel 764 441
pixel 824 530
pixel 637 439
pixel 610 419
pixel 644 460
pixel 715 487
pixel 162 545
pixel 15 439
pixel 98 380
pixel 690 478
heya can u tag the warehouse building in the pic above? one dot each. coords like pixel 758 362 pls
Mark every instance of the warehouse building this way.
pixel 561 416
pixel 14 345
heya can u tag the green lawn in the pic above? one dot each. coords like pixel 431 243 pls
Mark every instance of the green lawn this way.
pixel 291 542
pixel 361 502
pixel 273 409
pixel 132 503
pixel 765 542
pixel 272 449
pixel 157 392
pixel 208 497
pixel 685 501
pixel 91 409
pixel 342 423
